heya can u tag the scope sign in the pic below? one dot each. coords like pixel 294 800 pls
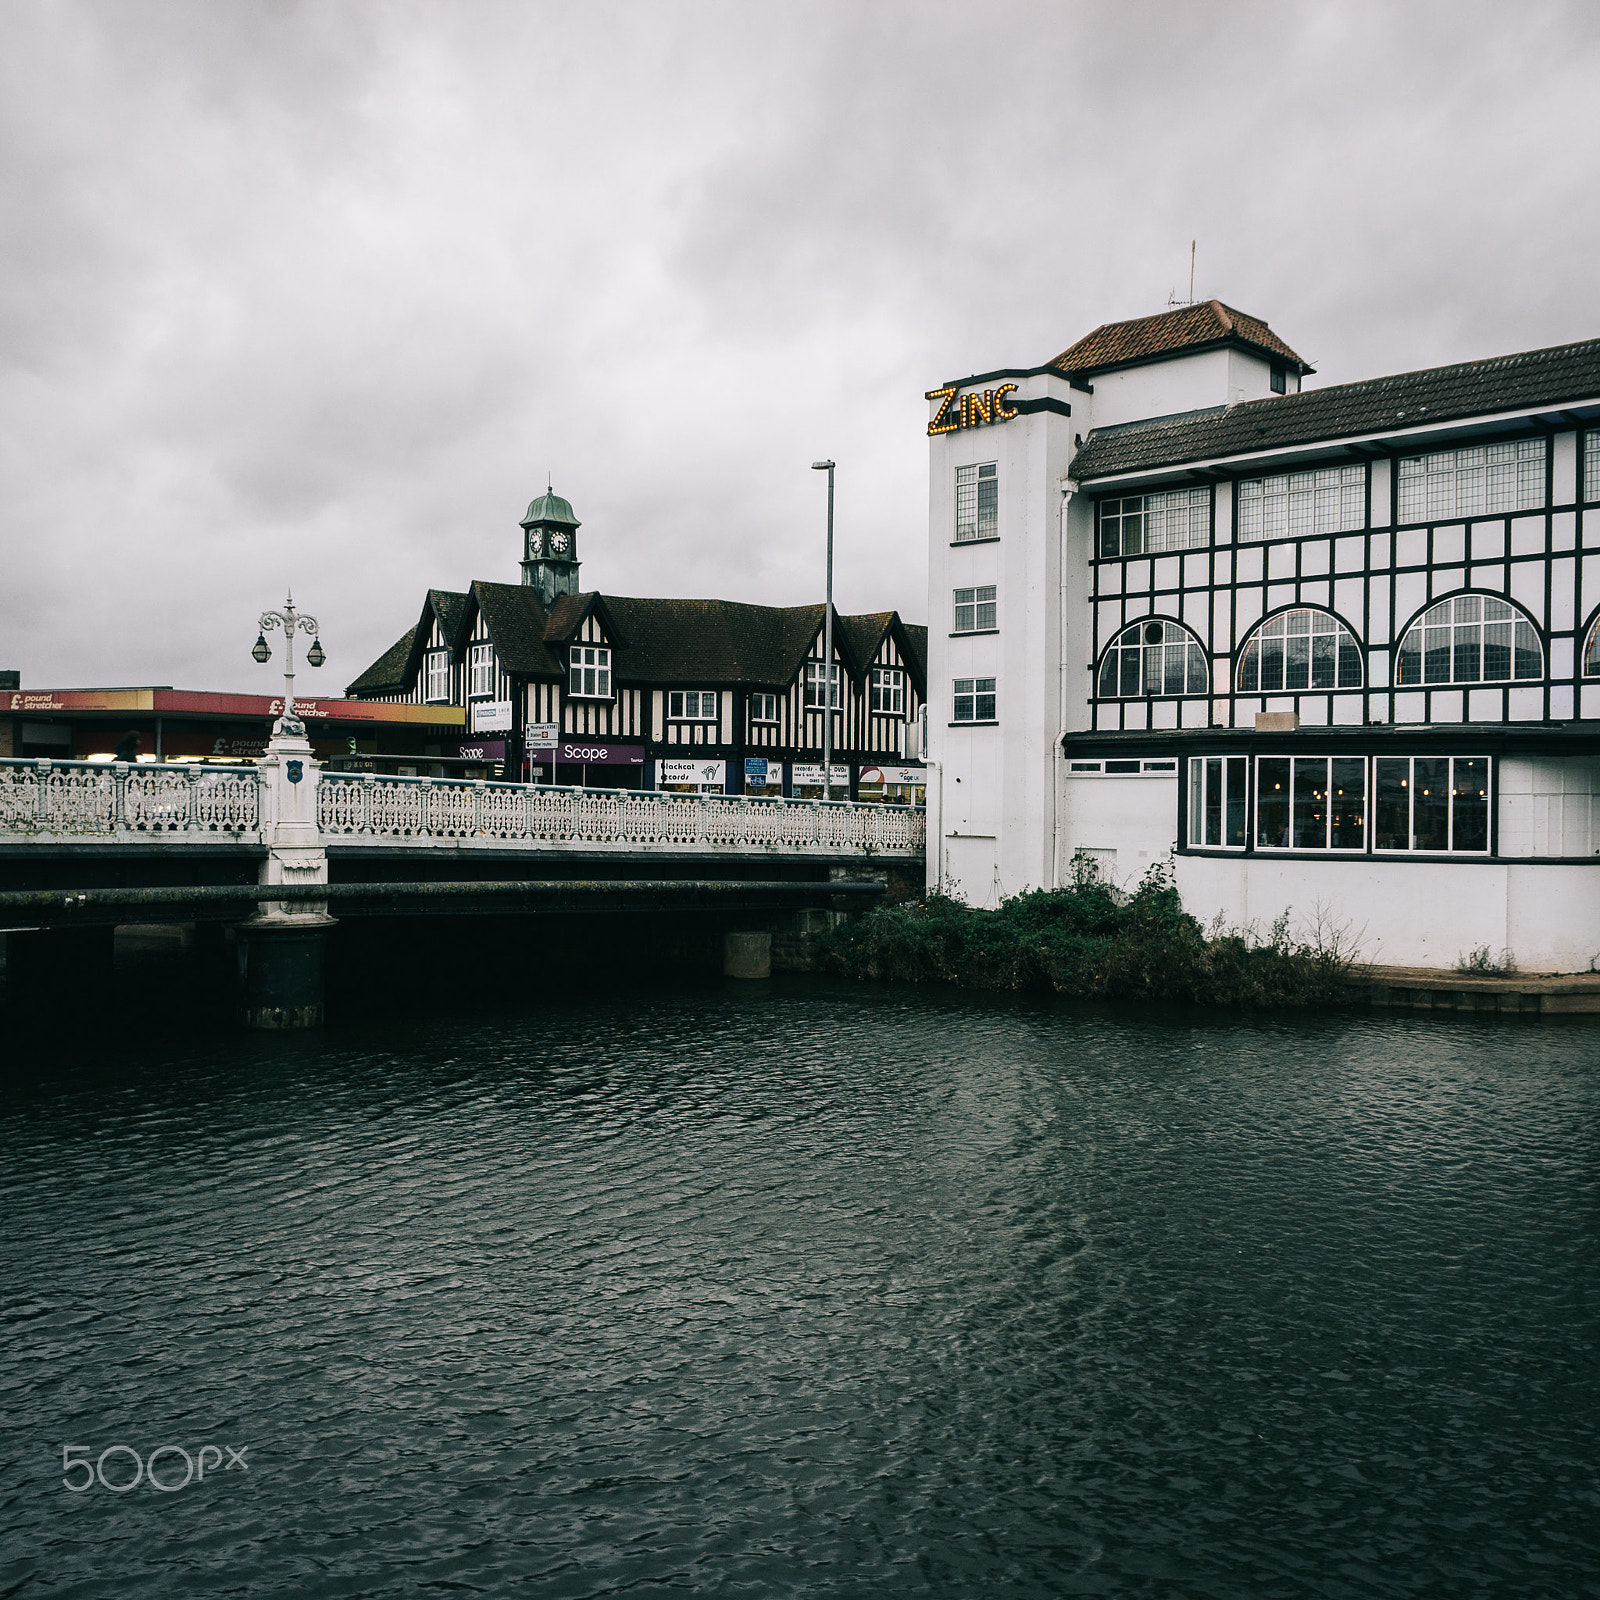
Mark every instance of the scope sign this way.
pixel 969 409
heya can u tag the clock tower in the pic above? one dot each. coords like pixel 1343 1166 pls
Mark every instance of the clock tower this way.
pixel 550 547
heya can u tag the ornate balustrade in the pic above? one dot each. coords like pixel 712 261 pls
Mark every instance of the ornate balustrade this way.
pixel 454 813
pixel 77 800
pixel 74 801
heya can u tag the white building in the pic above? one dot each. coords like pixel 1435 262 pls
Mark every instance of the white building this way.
pixel 1337 647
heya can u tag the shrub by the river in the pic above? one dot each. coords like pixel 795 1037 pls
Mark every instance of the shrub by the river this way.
pixel 1092 941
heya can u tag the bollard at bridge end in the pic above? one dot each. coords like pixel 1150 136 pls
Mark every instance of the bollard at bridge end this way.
pixel 747 955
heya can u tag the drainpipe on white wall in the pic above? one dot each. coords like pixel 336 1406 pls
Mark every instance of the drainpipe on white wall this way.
pixel 1068 489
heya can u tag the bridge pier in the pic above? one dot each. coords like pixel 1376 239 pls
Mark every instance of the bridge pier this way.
pixel 281 971
pixel 747 955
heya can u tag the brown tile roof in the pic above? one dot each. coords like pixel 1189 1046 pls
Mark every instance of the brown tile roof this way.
pixel 1115 344
pixel 917 639
pixel 1564 375
pixel 387 674
pixel 517 627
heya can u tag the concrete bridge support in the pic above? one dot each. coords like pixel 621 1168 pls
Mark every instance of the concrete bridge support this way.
pixel 281 966
pixel 747 955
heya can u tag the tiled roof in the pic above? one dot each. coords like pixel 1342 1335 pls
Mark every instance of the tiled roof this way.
pixel 387 674
pixel 1209 322
pixel 653 641
pixel 1567 374
pixel 517 627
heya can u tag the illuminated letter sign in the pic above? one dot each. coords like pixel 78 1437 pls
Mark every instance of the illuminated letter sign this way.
pixel 970 409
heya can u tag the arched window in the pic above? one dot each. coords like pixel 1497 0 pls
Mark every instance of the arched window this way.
pixel 1470 638
pixel 1591 652
pixel 1298 650
pixel 1153 657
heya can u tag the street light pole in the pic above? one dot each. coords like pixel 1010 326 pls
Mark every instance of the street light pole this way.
pixel 288 619
pixel 827 647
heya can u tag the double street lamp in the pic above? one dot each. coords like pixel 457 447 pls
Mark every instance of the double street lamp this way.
pixel 827 648
pixel 289 620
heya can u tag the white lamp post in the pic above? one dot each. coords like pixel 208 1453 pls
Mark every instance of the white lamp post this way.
pixel 827 648
pixel 288 619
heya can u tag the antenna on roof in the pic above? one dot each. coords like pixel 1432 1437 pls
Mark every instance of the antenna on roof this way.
pixel 1172 299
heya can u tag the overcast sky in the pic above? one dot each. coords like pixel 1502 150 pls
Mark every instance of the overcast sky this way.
pixel 318 293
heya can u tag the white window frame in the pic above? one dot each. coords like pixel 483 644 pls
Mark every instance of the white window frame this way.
pixel 1450 625
pixel 1483 480
pixel 1453 786
pixel 589 672
pixel 692 705
pixel 481 670
pixel 1219 802
pixel 1309 764
pixel 763 708
pixel 1307 637
pixel 977 502
pixel 1133 656
pixel 436 677
pixel 888 692
pixel 975 610
pixel 1155 523
pixel 1294 504
pixel 813 686
pixel 969 696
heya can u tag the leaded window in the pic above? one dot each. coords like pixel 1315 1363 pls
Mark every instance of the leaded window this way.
pixel 1591 465
pixel 1299 650
pixel 1153 657
pixel 973 700
pixel 1591 653
pixel 589 671
pixel 977 502
pixel 813 691
pixel 1311 803
pixel 1470 638
pixel 1437 804
pixel 976 610
pixel 1147 524
pixel 1327 500
pixel 888 691
pixel 481 668
pixel 1218 788
pixel 436 667
pixel 692 705
pixel 1482 480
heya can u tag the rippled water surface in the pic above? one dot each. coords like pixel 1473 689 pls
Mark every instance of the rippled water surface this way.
pixel 801 1288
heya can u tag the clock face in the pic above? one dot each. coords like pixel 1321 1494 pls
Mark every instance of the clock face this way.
pixel 533 544
pixel 558 541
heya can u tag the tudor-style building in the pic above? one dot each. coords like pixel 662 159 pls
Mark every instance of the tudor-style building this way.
pixel 709 695
pixel 1338 647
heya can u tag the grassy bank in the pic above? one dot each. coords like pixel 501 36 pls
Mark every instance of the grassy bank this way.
pixel 1090 941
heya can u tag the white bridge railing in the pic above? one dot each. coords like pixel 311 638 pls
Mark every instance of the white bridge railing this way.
pixel 74 801
pixel 414 811
pixel 94 799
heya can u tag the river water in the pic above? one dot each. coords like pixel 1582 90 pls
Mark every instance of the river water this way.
pixel 805 1288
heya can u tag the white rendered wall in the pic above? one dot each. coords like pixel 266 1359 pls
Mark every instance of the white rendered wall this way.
pixel 1180 383
pixel 995 807
pixel 1410 913
pixel 1134 817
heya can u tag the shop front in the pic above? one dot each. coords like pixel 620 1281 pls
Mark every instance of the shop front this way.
pixel 691 777
pixel 588 763
pixel 806 781
pixel 895 786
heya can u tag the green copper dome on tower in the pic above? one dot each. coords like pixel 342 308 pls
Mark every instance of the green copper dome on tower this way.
pixel 550 507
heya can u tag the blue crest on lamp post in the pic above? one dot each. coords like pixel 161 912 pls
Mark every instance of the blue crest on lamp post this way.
pixel 293 770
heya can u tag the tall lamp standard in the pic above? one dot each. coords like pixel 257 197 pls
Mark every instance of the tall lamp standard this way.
pixel 827 648
pixel 288 619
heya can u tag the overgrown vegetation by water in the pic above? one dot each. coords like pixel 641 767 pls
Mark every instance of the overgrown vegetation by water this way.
pixel 1092 941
